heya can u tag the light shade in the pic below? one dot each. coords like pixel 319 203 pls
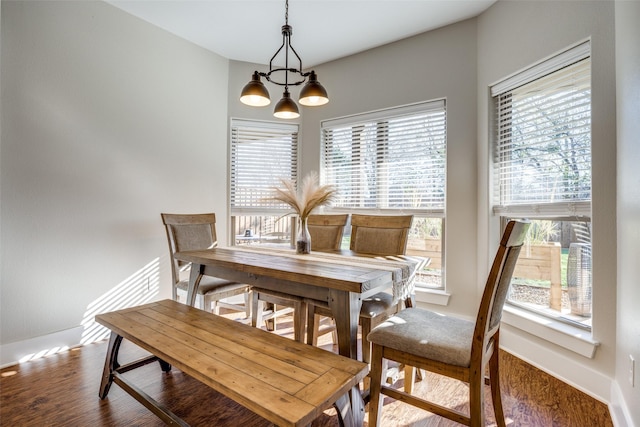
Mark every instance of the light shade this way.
pixel 286 108
pixel 255 93
pixel 313 93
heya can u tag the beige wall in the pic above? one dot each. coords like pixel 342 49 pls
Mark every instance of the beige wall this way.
pixel 627 15
pixel 434 65
pixel 106 122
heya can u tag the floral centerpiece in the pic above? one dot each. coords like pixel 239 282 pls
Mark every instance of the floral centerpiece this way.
pixel 311 196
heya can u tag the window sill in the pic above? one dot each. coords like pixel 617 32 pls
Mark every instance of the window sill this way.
pixel 432 296
pixel 561 334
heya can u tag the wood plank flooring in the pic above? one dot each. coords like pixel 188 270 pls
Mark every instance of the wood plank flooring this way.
pixel 62 390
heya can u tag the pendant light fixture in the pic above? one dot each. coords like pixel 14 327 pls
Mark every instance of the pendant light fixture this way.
pixel 312 94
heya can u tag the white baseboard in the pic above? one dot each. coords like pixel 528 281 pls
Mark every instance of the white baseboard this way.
pixel 618 408
pixel 21 351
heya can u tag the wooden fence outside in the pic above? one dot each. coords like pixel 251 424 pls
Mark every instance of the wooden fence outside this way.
pixel 542 262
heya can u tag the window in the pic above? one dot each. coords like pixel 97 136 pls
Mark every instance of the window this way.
pixel 542 165
pixel 393 161
pixel 262 153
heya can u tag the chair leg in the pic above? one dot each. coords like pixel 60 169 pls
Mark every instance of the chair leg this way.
pixel 271 322
pixel 299 319
pixel 409 378
pixel 312 325
pixel 256 309
pixel 378 374
pixel 205 303
pixel 247 304
pixel 334 331
pixel 365 323
pixel 494 380
pixel 476 400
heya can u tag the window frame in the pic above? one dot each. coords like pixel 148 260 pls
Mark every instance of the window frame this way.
pixel 563 210
pixel 380 119
pixel 261 211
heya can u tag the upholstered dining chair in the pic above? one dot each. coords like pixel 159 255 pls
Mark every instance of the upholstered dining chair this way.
pixel 448 345
pixel 326 231
pixel 192 232
pixel 292 303
pixel 370 235
pixel 326 234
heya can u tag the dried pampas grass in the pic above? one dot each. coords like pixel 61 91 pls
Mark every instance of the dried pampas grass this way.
pixel 310 197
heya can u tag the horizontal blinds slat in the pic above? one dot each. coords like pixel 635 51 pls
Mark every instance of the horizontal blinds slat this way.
pixel 262 126
pixel 261 155
pixel 385 160
pixel 388 113
pixel 548 210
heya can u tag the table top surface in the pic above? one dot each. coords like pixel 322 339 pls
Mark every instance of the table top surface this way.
pixel 284 381
pixel 343 270
pixel 332 270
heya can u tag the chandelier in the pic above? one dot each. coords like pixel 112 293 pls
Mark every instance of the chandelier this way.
pixel 312 94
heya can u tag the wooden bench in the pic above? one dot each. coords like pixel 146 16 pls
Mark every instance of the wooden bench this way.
pixel 285 382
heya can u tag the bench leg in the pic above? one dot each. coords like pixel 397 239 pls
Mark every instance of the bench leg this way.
pixel 110 364
pixel 166 367
pixel 350 408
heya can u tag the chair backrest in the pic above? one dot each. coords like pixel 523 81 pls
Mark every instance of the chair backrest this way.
pixel 497 286
pixel 326 231
pixel 186 232
pixel 380 234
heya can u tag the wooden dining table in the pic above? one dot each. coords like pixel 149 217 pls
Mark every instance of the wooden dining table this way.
pixel 340 280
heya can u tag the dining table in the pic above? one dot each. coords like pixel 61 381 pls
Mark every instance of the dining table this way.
pixel 339 280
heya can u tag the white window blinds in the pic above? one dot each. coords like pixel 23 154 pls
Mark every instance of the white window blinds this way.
pixel 542 151
pixel 389 159
pixel 262 153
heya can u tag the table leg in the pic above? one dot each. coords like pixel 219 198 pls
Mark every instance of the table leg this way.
pixel 345 307
pixel 194 281
pixel 350 409
pixel 110 364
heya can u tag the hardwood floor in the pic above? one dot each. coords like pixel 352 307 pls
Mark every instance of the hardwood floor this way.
pixel 62 390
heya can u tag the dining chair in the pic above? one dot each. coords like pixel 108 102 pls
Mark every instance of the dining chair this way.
pixel 372 235
pixel 448 345
pixel 193 232
pixel 326 231
pixel 326 234
pixel 292 303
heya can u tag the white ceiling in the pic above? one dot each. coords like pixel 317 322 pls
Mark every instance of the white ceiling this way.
pixel 323 30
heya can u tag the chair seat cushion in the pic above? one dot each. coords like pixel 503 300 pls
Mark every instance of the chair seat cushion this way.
pixel 208 284
pixel 376 305
pixel 427 334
